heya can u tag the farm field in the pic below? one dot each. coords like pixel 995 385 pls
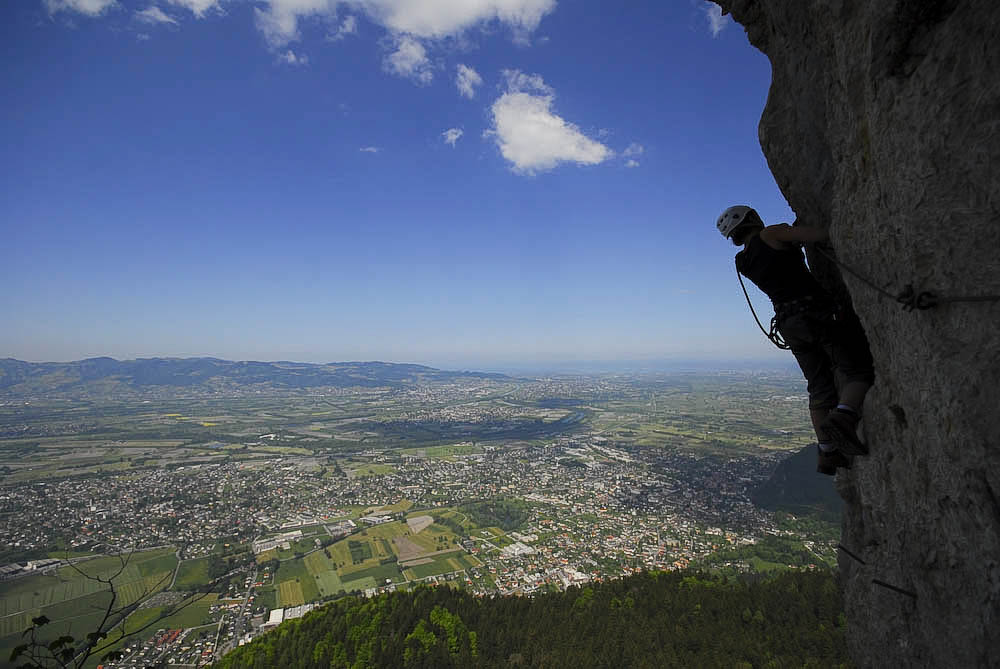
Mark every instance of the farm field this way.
pixel 192 574
pixel 441 564
pixel 293 582
pixel 323 570
pixel 447 452
pixel 372 557
pixel 290 594
pixel 75 602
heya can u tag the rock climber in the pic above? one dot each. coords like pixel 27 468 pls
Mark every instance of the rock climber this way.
pixel 827 339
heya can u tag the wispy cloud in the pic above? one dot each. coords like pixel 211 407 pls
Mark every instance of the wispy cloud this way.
pixel 634 149
pixel 198 7
pixel 419 20
pixel 87 7
pixel 369 149
pixel 452 135
pixel 435 19
pixel 278 20
pixel 349 26
pixel 716 21
pixel 410 60
pixel 292 58
pixel 531 136
pixel 467 79
pixel 414 26
pixel 154 15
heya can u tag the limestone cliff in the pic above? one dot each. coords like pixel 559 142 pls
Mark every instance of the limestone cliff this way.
pixel 883 124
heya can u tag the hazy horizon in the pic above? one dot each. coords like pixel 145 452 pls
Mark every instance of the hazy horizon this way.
pixel 539 366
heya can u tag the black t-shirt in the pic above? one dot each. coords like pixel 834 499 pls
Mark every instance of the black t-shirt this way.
pixel 782 275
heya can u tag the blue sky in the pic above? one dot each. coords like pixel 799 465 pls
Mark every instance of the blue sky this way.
pixel 451 182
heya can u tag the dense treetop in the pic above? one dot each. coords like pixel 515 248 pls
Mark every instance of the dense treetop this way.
pixel 665 619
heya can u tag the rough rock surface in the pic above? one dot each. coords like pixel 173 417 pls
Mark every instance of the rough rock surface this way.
pixel 883 124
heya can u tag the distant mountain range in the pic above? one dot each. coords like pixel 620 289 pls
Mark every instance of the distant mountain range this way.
pixel 104 375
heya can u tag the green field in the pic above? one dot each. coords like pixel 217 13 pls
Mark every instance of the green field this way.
pixel 453 514
pixel 442 564
pixel 380 573
pixel 290 594
pixel 324 572
pixel 360 584
pixel 295 571
pixel 444 451
pixel 192 574
pixel 402 505
pixel 265 556
pixel 359 551
pixel 266 597
pixel 372 470
pixel 74 602
pixel 142 571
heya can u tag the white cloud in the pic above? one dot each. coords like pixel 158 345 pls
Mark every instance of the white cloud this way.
pixel 279 19
pixel 370 149
pixel 349 26
pixel 88 7
pixel 142 37
pixel 716 21
pixel 452 135
pixel 519 82
pixel 443 18
pixel 198 7
pixel 467 79
pixel 634 149
pixel 532 137
pixel 410 60
pixel 631 163
pixel 291 58
pixel 154 15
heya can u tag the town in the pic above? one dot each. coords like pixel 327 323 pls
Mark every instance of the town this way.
pixel 510 489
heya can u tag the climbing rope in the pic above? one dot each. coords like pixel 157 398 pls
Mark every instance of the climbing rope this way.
pixel 910 299
pixel 774 335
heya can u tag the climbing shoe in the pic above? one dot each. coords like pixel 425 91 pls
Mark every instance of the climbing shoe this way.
pixel 842 428
pixel 827 462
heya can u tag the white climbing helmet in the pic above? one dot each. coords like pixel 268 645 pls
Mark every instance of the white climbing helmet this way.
pixel 732 218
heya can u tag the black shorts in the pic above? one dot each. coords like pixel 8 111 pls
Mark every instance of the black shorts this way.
pixel 831 348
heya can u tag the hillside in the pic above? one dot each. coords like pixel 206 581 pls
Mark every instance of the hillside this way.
pixel 107 375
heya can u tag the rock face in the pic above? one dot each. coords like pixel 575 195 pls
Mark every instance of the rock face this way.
pixel 883 125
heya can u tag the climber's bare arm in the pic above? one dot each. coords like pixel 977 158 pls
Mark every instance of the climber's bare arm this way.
pixel 783 235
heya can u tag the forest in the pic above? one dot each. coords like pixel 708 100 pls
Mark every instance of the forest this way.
pixel 652 619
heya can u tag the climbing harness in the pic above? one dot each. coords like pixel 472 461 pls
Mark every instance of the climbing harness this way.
pixel 910 299
pixel 774 335
pixel 877 581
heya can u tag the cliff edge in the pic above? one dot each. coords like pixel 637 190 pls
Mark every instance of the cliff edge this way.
pixel 883 124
